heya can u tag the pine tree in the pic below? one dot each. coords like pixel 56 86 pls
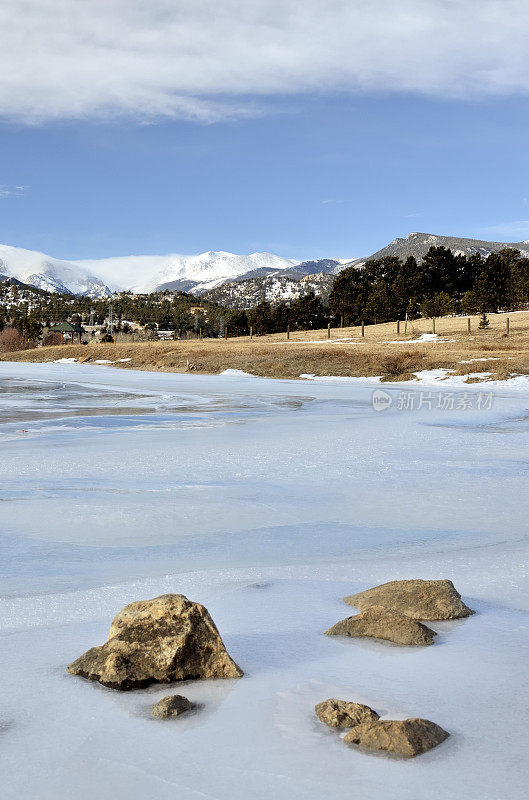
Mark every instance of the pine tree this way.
pixel 484 321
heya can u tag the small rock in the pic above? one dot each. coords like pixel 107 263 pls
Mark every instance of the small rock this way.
pixel 342 714
pixel 158 641
pixel 172 706
pixel 408 737
pixel 380 623
pixel 417 599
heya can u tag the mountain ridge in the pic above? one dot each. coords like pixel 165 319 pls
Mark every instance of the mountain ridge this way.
pixel 418 244
pixel 264 275
pixel 52 274
pixel 176 271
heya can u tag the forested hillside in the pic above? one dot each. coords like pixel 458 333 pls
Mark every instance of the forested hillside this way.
pixel 442 283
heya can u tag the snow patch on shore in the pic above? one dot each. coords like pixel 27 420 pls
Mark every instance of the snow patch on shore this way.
pixel 429 376
pixel 237 373
pixel 424 337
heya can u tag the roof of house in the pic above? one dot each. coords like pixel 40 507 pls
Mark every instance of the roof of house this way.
pixel 65 327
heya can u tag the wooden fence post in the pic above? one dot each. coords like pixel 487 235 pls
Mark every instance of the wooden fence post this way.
pixel 363 326
pixel 328 330
pixel 433 324
pixel 251 331
pixel 468 325
pixel 398 326
pixel 288 331
pixel 507 326
pixel 226 332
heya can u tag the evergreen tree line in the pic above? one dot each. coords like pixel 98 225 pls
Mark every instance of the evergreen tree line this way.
pixel 305 313
pixel 442 283
pixel 160 310
pixel 382 290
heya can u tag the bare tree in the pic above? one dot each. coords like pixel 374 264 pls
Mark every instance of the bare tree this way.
pixel 11 340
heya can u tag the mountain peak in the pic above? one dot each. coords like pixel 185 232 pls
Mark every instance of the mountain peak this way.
pixel 52 274
pixel 99 277
pixel 417 245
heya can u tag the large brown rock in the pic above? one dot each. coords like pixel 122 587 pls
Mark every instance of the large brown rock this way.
pixel 172 706
pixel 408 737
pixel 342 714
pixel 418 599
pixel 158 641
pixel 381 623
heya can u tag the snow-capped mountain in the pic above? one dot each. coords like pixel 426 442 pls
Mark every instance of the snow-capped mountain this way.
pixel 206 272
pixel 188 273
pixel 100 277
pixel 52 274
pixel 142 274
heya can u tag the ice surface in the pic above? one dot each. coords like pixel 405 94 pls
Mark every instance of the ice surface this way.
pixel 268 501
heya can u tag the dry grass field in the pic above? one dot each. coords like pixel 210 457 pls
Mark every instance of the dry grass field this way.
pixel 381 351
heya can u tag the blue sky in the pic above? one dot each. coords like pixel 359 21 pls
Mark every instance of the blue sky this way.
pixel 326 168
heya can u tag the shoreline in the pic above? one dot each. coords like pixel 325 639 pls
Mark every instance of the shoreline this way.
pixel 381 354
pixel 440 378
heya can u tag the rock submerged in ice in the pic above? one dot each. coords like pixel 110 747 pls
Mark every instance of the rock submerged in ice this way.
pixel 382 623
pixel 409 737
pixel 344 714
pixel 174 705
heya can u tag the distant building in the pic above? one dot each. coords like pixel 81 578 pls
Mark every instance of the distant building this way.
pixel 67 331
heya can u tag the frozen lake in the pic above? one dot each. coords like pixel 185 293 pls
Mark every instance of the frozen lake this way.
pixel 267 501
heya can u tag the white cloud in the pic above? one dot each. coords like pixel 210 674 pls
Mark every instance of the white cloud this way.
pixel 11 191
pixel 211 59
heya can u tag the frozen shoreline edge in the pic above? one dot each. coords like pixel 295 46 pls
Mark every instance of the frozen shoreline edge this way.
pixel 424 377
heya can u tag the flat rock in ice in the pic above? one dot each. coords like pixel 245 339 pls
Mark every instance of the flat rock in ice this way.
pixel 174 705
pixel 344 714
pixel 418 599
pixel 409 737
pixel 382 623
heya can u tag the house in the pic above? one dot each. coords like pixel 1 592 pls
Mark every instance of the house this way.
pixel 67 331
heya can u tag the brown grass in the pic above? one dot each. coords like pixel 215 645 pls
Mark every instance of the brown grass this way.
pixel 400 365
pixel 313 352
